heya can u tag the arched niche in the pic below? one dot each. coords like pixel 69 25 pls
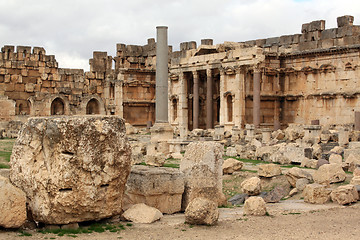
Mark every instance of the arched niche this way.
pixel 57 107
pixel 93 107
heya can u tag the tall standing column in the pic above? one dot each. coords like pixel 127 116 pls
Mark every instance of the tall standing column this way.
pixel 209 100
pixel 161 103
pixel 196 100
pixel 256 97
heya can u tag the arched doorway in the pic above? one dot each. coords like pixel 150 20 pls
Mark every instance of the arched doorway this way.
pixel 57 107
pixel 92 107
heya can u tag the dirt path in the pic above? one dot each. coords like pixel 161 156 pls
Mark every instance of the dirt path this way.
pixel 288 220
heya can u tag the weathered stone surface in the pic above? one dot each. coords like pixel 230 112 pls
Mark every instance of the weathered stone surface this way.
pixel 202 211
pixel 255 206
pixel 352 162
pixel 294 132
pixel 329 173
pixel 309 163
pixel 238 199
pixel 202 168
pixel 231 165
pixel 12 205
pixel 301 183
pixel 355 180
pixel 269 170
pixel 276 194
pixel 231 152
pixel 337 149
pixel 156 160
pixel 335 158
pixel 296 173
pixel 316 193
pixel 72 169
pixel 345 194
pixel 141 213
pixel 251 186
pixel 157 187
pixel 321 162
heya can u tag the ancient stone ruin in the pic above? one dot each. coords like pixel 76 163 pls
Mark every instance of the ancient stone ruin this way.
pixel 288 100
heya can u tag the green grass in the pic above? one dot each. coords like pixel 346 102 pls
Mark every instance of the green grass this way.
pixel 172 165
pixel 24 234
pixel 2 165
pixel 252 161
pixel 6 155
pixel 96 227
pixel 247 170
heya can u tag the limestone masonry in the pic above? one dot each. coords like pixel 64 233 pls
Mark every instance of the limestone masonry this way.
pixel 266 82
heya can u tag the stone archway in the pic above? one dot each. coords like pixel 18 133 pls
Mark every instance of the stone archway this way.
pixel 93 107
pixel 57 107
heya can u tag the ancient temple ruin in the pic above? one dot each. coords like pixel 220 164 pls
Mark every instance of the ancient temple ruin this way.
pixel 266 82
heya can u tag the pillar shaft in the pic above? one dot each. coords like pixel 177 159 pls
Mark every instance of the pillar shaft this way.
pixel 256 98
pixel 196 100
pixel 161 103
pixel 357 121
pixel 209 100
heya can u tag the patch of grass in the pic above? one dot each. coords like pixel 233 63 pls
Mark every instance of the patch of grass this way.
pixel 129 224
pixel 294 213
pixel 172 165
pixel 3 165
pixel 252 161
pixel 142 163
pixel 226 206
pixel 97 227
pixel 247 170
pixel 242 219
pixel 24 234
pixel 5 155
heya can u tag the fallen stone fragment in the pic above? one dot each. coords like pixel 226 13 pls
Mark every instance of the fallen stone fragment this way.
pixel 202 211
pixel 345 194
pixel 296 173
pixel 141 213
pixel 316 193
pixel 231 165
pixel 12 205
pixel 251 186
pixel 255 206
pixel 269 170
pixel 329 173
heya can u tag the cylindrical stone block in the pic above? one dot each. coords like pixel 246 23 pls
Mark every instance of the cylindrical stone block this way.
pixel 209 100
pixel 161 107
pixel 196 100
pixel 256 98
pixel 357 121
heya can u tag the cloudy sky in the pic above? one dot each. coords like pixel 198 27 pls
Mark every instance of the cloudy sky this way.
pixel 72 29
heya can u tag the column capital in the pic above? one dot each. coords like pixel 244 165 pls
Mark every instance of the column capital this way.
pixel 195 74
pixel 208 72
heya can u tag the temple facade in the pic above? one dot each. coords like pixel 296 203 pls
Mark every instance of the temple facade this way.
pixel 269 83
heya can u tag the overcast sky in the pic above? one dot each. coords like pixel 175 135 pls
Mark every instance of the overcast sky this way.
pixel 72 29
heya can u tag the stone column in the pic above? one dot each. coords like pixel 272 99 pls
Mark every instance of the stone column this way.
pixel 357 121
pixel 256 97
pixel 277 124
pixel 209 100
pixel 161 104
pixel 161 131
pixel 222 98
pixel 183 107
pixel 196 100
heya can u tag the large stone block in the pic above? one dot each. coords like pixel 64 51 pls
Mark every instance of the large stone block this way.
pixel 345 194
pixel 255 206
pixel 329 173
pixel 12 205
pixel 269 170
pixel 296 173
pixel 316 193
pixel 72 169
pixel 202 166
pixel 158 187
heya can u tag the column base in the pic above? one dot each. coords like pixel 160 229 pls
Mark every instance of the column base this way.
pixel 161 132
